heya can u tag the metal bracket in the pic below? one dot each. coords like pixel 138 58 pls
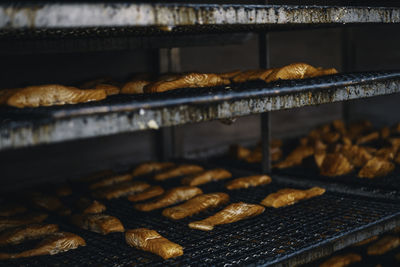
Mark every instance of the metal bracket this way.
pixel 166 138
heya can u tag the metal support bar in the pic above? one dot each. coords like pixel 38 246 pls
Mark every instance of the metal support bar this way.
pixel 348 62
pixel 167 145
pixel 264 62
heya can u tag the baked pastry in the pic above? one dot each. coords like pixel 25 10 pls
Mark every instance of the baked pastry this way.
pixel 151 241
pixel 196 205
pixel 150 192
pixel 134 87
pixel 23 233
pixel 206 177
pixel 53 94
pixel 249 181
pixel 149 167
pixel 18 220
pixel 10 209
pixel 88 206
pixel 172 196
pixel 184 169
pixel 53 244
pixel 289 196
pixel 98 223
pixel 191 80
pixel 121 189
pixel 108 181
pixel 297 71
pixel 232 213
pixel 376 167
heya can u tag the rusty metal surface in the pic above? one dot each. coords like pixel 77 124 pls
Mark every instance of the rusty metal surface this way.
pixel 168 16
pixel 27 127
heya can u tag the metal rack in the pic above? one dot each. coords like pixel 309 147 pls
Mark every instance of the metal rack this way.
pixel 128 113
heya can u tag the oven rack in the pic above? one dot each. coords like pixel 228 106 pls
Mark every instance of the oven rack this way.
pixel 129 113
pixel 288 236
pixel 169 17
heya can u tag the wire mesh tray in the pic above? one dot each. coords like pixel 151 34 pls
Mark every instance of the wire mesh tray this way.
pixel 276 236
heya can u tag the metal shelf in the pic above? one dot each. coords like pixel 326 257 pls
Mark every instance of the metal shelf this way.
pixel 128 113
pixel 50 15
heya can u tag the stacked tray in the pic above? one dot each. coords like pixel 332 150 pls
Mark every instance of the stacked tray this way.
pixel 291 235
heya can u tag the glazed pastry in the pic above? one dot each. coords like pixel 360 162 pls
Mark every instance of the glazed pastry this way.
pixel 150 192
pixel 53 244
pixel 149 167
pixel 295 157
pixel 121 189
pixel 376 167
pixel 232 213
pixel 151 241
pixel 383 245
pixel 249 181
pixel 98 223
pixel 88 206
pixel 289 196
pixel 134 87
pixel 335 164
pixel 206 177
pixel 196 205
pixel 356 155
pixel 191 80
pixel 108 88
pixel 53 94
pixel 180 170
pixel 297 71
pixel 111 181
pixel 23 233
pixel 18 220
pixel 341 260
pixel 172 196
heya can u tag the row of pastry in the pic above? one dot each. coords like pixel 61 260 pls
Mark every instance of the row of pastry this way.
pixel 188 199
pixel 56 94
pixel 338 149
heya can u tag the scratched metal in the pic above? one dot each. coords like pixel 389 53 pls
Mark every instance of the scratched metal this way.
pixel 168 16
pixel 63 123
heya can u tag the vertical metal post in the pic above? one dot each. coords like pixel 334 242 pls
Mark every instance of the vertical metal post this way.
pixel 348 57
pixel 166 138
pixel 264 62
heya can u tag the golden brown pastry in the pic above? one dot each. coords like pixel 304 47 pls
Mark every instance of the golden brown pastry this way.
pixel 367 138
pixel 249 181
pixel 151 241
pixel 387 153
pixel 289 196
pixel 98 223
pixel 206 177
pixel 339 126
pixel 121 189
pixel 51 245
pixel 20 234
pixel 150 192
pixel 108 88
pixel 383 245
pixel 252 75
pixel 196 205
pixel 366 241
pixel 18 220
pixel 341 260
pixel 229 75
pixel 149 167
pixel 6 93
pixel 239 152
pixel 385 132
pixel 297 71
pixel 134 86
pixel 335 164
pixel 111 181
pixel 376 167
pixel 191 80
pixel 355 130
pixel 184 169
pixel 356 155
pixel 53 94
pixel 295 157
pixel 172 196
pixel 88 206
pixel 232 213
pixel 49 203
pixel 11 209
